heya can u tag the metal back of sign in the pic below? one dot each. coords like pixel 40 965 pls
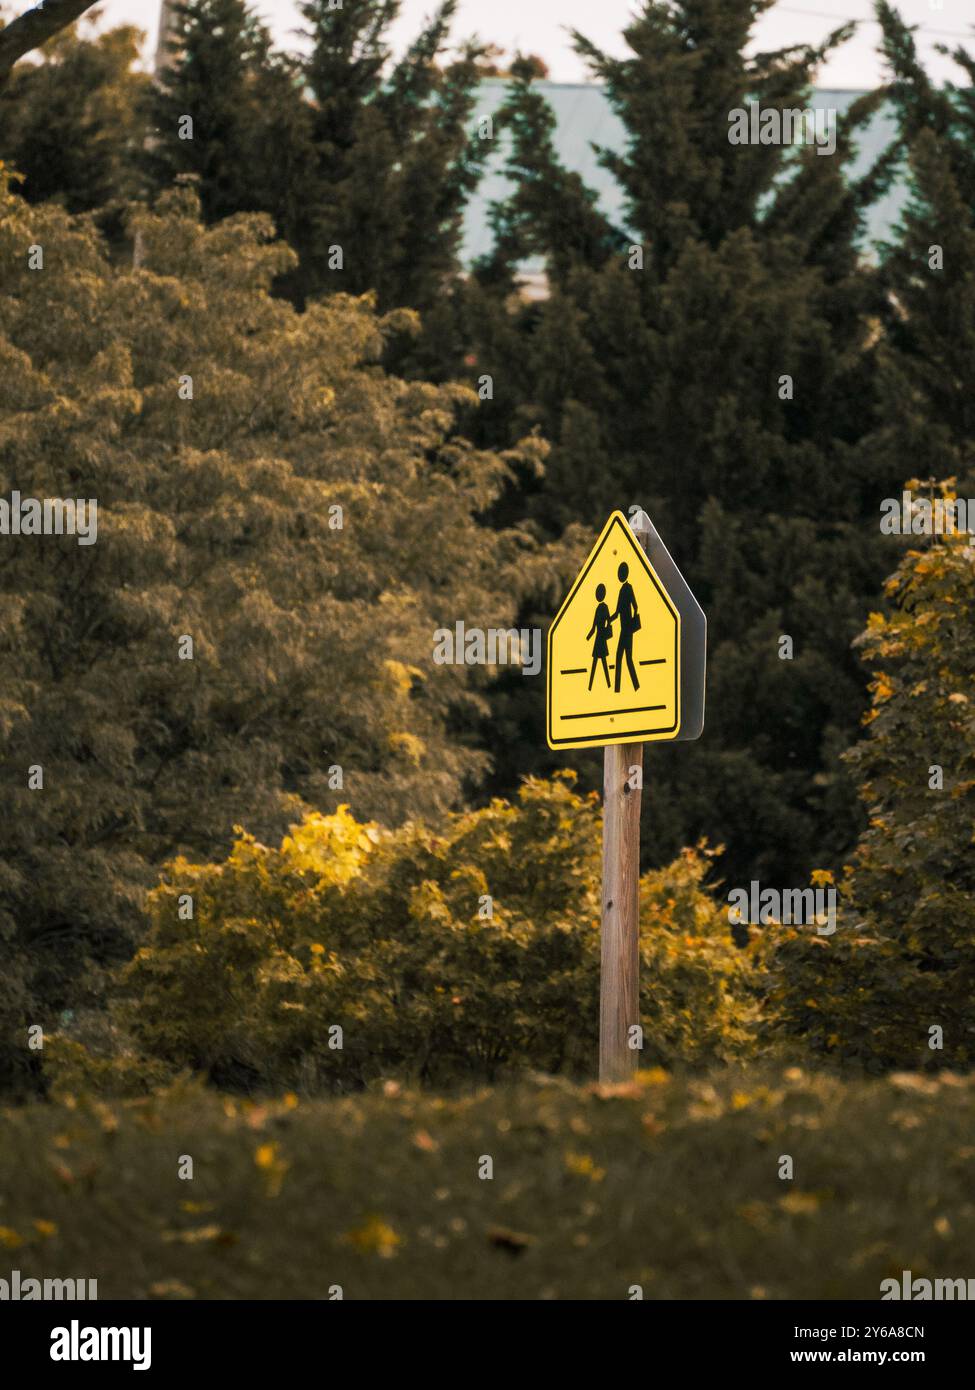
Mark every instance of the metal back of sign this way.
pixel 693 630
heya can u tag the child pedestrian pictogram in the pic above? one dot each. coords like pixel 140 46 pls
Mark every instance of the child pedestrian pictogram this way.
pixel 603 629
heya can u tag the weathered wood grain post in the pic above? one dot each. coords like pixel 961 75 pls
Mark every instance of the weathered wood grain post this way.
pixel 619 980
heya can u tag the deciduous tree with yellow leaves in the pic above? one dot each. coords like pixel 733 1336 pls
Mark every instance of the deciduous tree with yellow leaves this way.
pixel 894 985
pixel 281 527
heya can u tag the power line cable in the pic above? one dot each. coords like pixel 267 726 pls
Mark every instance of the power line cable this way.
pixel 859 19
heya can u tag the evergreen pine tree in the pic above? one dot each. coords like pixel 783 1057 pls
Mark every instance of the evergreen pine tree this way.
pixel 365 163
pixel 397 154
pixel 929 356
pixel 72 123
pixel 228 111
pixel 711 360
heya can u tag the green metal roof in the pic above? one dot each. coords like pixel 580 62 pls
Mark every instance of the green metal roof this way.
pixel 584 117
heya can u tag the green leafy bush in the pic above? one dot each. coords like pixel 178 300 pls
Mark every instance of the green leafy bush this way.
pixel 443 953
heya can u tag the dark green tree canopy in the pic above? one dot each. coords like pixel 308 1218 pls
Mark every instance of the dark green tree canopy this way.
pixel 713 360
pixel 365 163
pixel 73 122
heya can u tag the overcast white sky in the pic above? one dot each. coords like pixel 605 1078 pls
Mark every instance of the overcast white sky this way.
pixel 539 26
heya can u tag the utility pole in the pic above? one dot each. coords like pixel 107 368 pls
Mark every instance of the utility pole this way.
pixel 163 56
pixel 162 59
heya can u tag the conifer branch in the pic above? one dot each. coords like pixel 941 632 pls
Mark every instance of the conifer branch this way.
pixel 35 27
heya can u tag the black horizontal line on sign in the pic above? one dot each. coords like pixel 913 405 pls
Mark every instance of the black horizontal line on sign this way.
pixel 581 670
pixel 599 713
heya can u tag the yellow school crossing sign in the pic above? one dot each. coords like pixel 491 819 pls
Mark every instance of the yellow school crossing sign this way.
pixel 615 649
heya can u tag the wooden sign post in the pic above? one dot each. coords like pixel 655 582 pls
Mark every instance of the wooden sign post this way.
pixel 626 659
pixel 619 976
pixel 619 980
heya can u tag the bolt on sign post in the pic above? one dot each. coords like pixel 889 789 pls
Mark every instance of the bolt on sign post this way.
pixel 626 659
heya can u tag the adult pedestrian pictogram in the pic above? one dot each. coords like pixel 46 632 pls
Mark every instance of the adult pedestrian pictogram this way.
pixel 629 619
